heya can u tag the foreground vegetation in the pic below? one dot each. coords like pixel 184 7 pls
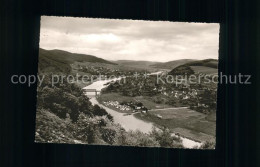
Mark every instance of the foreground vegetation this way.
pixel 65 115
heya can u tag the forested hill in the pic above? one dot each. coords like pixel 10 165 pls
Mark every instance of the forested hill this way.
pixel 181 70
pixel 207 66
pixel 59 60
pixel 172 64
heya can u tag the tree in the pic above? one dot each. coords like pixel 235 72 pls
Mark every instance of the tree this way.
pixel 88 128
pixel 99 111
pixel 165 138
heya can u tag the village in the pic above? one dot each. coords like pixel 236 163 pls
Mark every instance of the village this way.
pixel 196 96
pixel 102 69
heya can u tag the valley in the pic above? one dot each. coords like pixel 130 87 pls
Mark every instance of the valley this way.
pixel 187 109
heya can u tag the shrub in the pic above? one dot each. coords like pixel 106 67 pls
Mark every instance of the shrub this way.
pixel 208 145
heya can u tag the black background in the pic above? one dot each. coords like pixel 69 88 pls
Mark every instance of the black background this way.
pixel 238 110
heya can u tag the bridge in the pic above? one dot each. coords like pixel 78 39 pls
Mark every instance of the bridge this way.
pixel 92 90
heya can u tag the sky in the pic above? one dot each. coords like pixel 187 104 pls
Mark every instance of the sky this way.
pixel 115 39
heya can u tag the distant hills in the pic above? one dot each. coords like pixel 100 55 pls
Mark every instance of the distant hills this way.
pixel 171 64
pixel 132 62
pixel 59 60
pixel 137 64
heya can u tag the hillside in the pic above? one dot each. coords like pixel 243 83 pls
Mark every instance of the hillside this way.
pixel 59 61
pixel 171 64
pixel 47 64
pixel 181 70
pixel 204 69
pixel 212 63
pixel 207 66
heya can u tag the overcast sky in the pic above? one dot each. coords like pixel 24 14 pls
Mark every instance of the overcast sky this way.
pixel 129 39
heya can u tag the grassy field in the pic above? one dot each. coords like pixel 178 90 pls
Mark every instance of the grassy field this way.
pixel 178 113
pixel 193 127
pixel 204 69
pixel 194 135
pixel 203 126
pixel 211 117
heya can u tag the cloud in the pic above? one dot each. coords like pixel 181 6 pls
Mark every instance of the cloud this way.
pixel 130 39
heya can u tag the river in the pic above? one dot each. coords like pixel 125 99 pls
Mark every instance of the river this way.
pixel 128 122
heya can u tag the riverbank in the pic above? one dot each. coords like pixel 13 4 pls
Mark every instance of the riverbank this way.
pixel 130 122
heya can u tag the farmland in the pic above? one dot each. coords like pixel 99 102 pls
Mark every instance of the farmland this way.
pixel 188 123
